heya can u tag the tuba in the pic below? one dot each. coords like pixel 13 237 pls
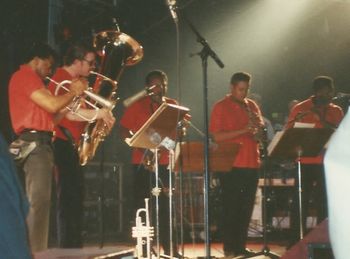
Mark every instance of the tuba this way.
pixel 117 50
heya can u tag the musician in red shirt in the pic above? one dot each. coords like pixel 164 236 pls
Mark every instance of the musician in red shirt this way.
pixel 32 108
pixel 78 62
pixel 238 119
pixel 318 110
pixel 132 120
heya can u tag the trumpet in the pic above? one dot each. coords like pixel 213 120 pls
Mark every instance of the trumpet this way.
pixel 143 232
pixel 76 103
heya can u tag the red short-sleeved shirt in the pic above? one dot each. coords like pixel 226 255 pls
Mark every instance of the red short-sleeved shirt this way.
pixel 331 113
pixel 228 115
pixel 75 127
pixel 25 114
pixel 133 119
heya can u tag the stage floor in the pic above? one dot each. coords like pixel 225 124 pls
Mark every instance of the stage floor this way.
pixel 190 251
pixel 197 250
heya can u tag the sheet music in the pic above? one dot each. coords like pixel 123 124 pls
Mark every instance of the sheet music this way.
pixel 274 141
pixel 160 125
pixel 279 134
pixel 304 125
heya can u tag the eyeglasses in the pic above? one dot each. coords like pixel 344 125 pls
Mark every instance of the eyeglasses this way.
pixel 90 62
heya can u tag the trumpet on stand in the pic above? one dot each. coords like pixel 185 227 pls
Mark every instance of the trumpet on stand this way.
pixel 143 232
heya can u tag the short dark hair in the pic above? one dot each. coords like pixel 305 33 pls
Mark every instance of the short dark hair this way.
pixel 240 76
pixel 40 50
pixel 77 51
pixel 321 82
pixel 157 74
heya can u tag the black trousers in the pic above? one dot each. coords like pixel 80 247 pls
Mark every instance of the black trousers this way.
pixel 314 196
pixel 70 189
pixel 238 196
pixel 144 181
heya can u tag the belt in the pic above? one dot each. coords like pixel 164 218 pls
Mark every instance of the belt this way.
pixel 36 135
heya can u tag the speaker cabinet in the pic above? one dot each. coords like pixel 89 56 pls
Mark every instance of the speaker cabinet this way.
pixel 103 201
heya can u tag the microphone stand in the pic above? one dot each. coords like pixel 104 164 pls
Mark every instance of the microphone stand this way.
pixel 204 54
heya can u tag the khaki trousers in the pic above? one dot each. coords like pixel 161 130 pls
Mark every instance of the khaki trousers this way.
pixel 37 179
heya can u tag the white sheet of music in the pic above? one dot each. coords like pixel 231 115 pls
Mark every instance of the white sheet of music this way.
pixel 304 125
pixel 279 135
pixel 274 141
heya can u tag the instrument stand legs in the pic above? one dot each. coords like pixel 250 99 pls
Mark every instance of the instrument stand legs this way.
pixel 171 241
pixel 156 191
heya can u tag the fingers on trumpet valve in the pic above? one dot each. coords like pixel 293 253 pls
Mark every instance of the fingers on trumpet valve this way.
pixel 78 86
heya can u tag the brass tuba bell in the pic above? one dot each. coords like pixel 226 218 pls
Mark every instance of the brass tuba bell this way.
pixel 117 50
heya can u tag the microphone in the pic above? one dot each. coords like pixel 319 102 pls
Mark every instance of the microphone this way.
pixel 172 7
pixel 147 91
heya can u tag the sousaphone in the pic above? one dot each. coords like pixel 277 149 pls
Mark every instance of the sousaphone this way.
pixel 117 50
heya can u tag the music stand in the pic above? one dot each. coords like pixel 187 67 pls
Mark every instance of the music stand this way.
pixel 189 157
pixel 295 143
pixel 221 156
pixel 160 130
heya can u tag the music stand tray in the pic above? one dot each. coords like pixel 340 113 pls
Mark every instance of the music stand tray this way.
pixel 158 131
pixel 295 142
pixel 160 126
pixel 221 156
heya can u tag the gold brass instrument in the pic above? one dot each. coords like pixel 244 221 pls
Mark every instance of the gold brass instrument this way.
pixel 76 103
pixel 254 121
pixel 117 51
pixel 143 232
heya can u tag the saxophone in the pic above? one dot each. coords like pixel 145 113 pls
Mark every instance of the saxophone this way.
pixel 117 51
pixel 255 121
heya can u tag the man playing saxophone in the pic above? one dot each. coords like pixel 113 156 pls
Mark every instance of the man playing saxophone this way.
pixel 32 108
pixel 238 119
pixel 79 61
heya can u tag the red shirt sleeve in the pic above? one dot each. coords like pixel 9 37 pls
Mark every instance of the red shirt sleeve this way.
pixel 132 118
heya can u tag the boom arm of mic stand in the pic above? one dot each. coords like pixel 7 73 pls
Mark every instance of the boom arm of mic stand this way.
pixel 207 50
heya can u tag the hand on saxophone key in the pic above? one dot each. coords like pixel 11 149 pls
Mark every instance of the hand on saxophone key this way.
pixel 252 129
pixel 107 116
pixel 78 86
